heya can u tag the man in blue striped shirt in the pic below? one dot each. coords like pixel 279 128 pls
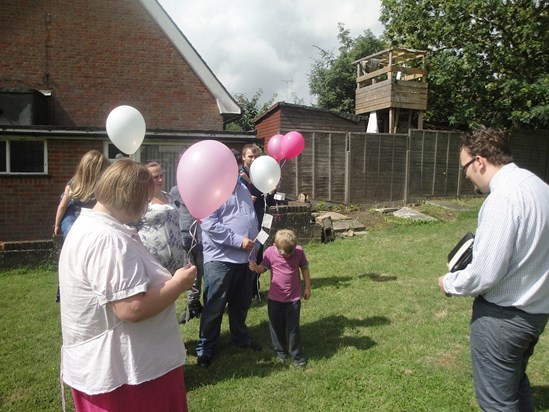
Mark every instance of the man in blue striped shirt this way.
pixel 228 239
pixel 509 273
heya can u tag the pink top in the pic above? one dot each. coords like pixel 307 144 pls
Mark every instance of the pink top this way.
pixel 285 276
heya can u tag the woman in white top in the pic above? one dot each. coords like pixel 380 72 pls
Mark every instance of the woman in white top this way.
pixel 159 229
pixel 122 349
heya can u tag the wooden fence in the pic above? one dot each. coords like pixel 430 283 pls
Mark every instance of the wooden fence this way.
pixel 364 168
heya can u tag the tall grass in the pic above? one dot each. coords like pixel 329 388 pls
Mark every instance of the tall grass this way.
pixel 378 333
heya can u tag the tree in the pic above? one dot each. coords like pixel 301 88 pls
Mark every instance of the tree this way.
pixel 488 61
pixel 333 78
pixel 251 109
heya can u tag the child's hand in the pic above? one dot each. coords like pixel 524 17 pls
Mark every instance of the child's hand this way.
pixel 252 265
pixel 307 293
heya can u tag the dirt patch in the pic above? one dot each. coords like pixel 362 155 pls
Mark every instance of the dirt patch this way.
pixel 370 219
pixel 374 220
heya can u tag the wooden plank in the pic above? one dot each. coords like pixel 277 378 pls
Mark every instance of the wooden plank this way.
pixel 384 95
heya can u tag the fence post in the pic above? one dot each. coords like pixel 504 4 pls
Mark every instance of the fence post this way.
pixel 313 166
pixel 347 193
pixel 407 168
pixel 435 165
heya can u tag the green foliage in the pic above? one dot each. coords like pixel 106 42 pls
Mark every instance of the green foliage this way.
pixel 333 77
pixel 488 62
pixel 251 109
pixel 321 206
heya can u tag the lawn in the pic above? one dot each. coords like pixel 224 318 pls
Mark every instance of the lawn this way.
pixel 379 334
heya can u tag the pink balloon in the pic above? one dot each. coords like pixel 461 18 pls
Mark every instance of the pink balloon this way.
pixel 292 144
pixel 273 147
pixel 206 176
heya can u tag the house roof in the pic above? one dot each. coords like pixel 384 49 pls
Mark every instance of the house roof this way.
pixel 228 107
pixel 279 105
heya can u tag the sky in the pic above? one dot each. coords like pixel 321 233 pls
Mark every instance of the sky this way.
pixel 269 45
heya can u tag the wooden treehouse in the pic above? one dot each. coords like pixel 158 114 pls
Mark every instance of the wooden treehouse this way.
pixel 393 83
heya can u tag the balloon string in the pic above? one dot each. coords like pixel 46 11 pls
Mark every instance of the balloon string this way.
pixel 194 241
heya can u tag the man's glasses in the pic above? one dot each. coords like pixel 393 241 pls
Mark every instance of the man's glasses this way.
pixel 469 163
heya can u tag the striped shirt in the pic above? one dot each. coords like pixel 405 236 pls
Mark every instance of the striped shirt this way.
pixel 510 264
pixel 224 230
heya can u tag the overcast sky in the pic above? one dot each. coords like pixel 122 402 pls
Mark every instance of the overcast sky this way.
pixel 269 45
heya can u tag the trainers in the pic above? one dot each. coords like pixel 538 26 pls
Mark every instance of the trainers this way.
pixel 301 364
pixel 196 307
pixel 280 360
pixel 204 361
pixel 189 314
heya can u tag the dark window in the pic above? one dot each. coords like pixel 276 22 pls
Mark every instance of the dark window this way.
pixel 22 156
pixel 3 156
pixel 114 151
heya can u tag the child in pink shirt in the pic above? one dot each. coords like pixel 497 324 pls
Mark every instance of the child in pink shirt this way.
pixel 285 259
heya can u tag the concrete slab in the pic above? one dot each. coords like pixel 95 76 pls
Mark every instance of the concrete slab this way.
pixel 332 215
pixel 448 205
pixel 386 210
pixel 348 224
pixel 407 213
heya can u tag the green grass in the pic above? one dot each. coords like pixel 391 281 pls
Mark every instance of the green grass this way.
pixel 379 335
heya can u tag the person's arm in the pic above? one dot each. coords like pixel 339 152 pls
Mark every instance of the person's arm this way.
pixel 61 209
pixel 492 250
pixel 307 278
pixel 441 286
pixel 257 268
pixel 145 305
pixel 245 177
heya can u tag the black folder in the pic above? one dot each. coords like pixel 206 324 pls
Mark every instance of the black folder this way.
pixel 462 254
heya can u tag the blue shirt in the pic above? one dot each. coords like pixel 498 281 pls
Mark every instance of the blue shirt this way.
pixel 510 264
pixel 224 230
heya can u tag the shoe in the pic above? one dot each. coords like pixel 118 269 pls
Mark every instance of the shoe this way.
pixel 204 361
pixel 189 314
pixel 280 360
pixel 252 345
pixel 197 308
pixel 301 364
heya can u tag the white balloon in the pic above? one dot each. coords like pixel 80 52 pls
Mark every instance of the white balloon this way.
pixel 265 173
pixel 126 128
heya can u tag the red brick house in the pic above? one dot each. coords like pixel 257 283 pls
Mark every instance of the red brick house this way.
pixel 65 66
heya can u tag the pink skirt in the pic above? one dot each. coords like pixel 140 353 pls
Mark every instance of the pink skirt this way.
pixel 167 393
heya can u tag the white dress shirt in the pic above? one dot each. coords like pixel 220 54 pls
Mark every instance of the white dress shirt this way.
pixel 510 264
pixel 104 261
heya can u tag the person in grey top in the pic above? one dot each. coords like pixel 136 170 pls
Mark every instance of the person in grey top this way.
pixel 192 243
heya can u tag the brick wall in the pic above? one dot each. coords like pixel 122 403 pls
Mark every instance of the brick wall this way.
pixel 28 204
pixel 92 56
pixel 297 217
pixel 96 55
